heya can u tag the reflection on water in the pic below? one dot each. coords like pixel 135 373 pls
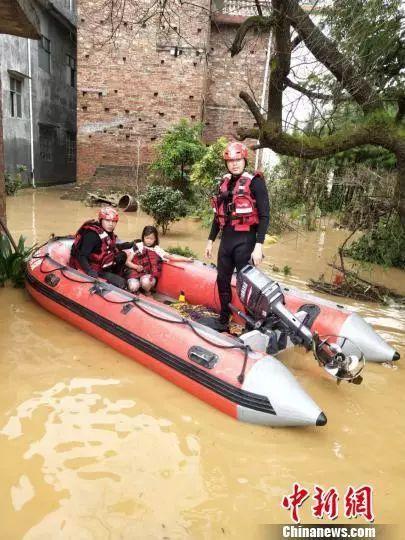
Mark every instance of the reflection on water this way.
pixel 80 454
pixel 94 446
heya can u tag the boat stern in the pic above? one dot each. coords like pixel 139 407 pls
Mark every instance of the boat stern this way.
pixel 290 404
pixel 372 345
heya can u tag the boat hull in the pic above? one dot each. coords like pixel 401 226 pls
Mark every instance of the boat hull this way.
pixel 158 338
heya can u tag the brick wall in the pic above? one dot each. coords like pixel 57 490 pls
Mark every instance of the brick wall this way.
pixel 132 91
pixel 224 111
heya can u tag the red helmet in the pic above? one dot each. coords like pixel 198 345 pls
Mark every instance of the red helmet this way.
pixel 235 150
pixel 108 212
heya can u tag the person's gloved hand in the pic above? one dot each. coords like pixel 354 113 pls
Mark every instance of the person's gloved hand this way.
pixel 92 273
pixel 257 254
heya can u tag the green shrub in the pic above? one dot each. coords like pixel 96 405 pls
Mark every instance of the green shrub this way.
pixel 183 251
pixel 385 244
pixel 179 149
pixel 206 171
pixel 164 204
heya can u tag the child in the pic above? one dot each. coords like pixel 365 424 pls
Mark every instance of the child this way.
pixel 144 261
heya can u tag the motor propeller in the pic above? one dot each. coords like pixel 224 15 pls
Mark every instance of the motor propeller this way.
pixel 340 357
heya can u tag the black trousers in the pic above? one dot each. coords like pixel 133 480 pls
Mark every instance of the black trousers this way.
pixel 234 252
pixel 112 276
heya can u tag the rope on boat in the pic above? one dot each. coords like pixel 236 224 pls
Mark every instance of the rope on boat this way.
pixel 99 287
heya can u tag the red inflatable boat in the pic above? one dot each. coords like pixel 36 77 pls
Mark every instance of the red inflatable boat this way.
pixel 218 368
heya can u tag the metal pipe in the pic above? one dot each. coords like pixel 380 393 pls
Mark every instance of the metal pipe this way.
pixel 264 91
pixel 31 119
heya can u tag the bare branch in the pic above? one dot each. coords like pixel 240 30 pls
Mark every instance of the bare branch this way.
pixel 326 52
pixel 253 108
pixel 259 8
pixel 295 42
pixel 315 95
pixel 256 22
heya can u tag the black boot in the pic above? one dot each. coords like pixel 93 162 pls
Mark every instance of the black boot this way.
pixel 220 325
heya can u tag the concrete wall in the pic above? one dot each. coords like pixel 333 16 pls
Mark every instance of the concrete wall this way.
pixel 54 102
pixel 67 8
pixel 16 131
pixel 2 187
pixel 16 17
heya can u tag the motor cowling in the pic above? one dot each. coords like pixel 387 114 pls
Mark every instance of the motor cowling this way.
pixel 264 300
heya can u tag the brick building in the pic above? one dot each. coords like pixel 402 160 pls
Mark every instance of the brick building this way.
pixel 132 90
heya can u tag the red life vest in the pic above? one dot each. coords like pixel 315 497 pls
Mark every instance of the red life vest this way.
pixel 98 261
pixel 150 261
pixel 242 211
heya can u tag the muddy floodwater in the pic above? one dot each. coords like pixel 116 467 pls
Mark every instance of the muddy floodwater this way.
pixel 95 446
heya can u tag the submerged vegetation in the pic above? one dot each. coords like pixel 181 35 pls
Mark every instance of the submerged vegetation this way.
pixel 14 181
pixel 384 244
pixel 183 251
pixel 12 263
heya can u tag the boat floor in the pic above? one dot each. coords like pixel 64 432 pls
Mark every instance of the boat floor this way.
pixel 195 313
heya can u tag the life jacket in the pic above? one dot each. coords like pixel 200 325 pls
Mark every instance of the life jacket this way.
pixel 101 260
pixel 242 212
pixel 150 261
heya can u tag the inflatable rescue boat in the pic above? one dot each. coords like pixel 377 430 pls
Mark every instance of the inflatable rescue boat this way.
pixel 238 376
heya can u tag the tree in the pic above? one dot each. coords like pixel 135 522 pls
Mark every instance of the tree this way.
pixel 205 172
pixel 164 204
pixel 376 90
pixel 360 46
pixel 179 149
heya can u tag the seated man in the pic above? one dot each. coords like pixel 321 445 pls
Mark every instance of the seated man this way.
pixel 96 250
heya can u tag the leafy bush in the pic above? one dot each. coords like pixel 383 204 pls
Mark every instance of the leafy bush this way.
pixel 385 244
pixel 205 177
pixel 164 204
pixel 12 264
pixel 183 251
pixel 207 170
pixel 179 149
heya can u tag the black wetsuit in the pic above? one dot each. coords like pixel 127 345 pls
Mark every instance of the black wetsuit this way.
pixel 236 247
pixel 91 243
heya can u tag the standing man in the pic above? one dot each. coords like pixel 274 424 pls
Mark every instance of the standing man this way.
pixel 242 214
pixel 96 250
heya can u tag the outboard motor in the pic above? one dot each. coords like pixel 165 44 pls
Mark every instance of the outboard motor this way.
pixel 264 301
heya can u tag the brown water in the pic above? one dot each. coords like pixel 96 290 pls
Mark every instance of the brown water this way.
pixel 94 446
